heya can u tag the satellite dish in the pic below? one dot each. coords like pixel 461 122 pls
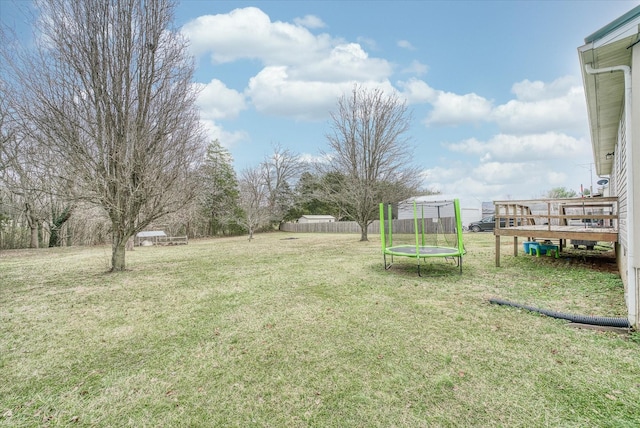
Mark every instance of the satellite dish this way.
pixel 603 182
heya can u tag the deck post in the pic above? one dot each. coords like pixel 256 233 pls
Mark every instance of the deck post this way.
pixel 497 250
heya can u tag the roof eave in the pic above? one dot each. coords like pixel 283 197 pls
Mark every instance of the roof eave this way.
pixel 604 93
pixel 614 25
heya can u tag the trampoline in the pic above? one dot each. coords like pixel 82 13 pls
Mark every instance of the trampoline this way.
pixel 435 232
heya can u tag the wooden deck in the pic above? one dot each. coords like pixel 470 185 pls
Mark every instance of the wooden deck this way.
pixel 608 234
pixel 589 219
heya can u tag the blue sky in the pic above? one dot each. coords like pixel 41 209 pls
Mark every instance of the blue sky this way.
pixel 494 88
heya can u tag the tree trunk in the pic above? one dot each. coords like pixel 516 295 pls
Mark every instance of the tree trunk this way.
pixel 363 233
pixel 32 222
pixel 117 256
pixel 58 222
pixel 118 248
pixel 54 237
pixel 34 235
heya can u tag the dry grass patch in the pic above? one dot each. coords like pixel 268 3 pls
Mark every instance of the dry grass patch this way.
pixel 310 331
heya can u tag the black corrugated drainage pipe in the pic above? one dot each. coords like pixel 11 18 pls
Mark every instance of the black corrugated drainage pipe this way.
pixel 582 319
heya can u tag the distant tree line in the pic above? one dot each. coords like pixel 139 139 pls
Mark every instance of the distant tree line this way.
pixel 101 139
pixel 281 188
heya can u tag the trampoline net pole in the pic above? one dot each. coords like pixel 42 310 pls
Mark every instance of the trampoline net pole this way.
pixel 422 224
pixel 415 228
pixel 383 236
pixel 438 223
pixel 390 217
pixel 460 243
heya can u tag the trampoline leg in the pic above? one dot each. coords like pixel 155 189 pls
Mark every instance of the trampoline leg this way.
pixel 387 266
pixel 419 273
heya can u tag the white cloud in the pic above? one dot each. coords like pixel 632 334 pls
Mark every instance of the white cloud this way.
pixel 368 42
pixel 274 92
pixel 344 62
pixel 405 44
pixel 227 139
pixel 448 108
pixel 303 73
pixel 535 91
pixel 417 68
pixel 461 182
pixel 309 21
pixel 557 178
pixel 541 108
pixel 503 180
pixel 499 172
pixel 250 33
pixel 514 166
pixel 515 148
pixel 216 101
pixel 417 91
pixel 312 159
pixel 451 109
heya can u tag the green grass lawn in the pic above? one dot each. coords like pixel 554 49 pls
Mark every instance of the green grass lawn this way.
pixel 308 330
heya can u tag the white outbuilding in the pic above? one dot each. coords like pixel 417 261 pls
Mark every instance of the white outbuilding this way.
pixel 470 210
pixel 149 237
pixel 316 219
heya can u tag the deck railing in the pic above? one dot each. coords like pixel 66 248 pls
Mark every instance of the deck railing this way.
pixel 590 219
pixel 578 212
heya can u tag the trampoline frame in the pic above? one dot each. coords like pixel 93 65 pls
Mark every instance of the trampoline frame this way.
pixel 420 250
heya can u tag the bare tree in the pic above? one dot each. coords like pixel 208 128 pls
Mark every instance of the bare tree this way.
pixel 8 126
pixel 28 172
pixel 6 131
pixel 370 158
pixel 110 90
pixel 23 177
pixel 280 172
pixel 254 200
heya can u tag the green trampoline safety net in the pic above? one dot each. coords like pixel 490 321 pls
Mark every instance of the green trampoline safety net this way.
pixel 421 229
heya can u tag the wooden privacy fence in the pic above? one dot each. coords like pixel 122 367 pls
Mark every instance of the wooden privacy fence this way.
pixel 447 225
pixel 173 240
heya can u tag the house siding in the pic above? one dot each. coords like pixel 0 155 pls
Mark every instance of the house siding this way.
pixel 610 88
pixel 632 151
pixel 620 175
pixel 619 188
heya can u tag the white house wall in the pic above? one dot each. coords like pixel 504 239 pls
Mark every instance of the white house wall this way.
pixel 628 247
pixel 618 187
pixel 620 179
pixel 633 300
pixel 609 88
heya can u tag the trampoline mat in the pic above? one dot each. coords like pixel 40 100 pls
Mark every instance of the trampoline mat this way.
pixel 410 250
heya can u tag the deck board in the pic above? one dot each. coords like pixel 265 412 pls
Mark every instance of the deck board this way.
pixel 606 234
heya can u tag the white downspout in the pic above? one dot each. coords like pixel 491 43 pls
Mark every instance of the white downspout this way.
pixel 632 286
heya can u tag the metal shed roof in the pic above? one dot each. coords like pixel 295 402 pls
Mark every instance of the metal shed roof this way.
pixel 151 234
